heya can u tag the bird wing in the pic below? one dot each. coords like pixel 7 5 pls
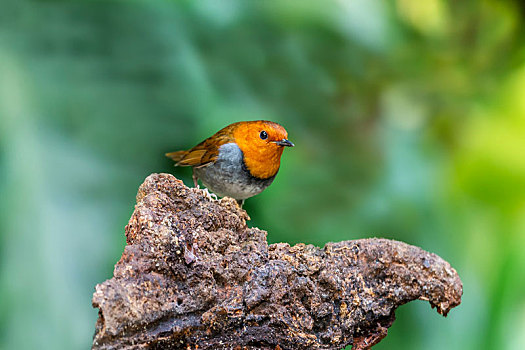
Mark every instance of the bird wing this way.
pixel 204 153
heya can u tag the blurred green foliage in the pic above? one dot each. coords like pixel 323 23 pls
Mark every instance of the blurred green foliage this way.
pixel 408 119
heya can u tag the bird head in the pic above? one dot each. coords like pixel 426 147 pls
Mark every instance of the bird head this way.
pixel 262 143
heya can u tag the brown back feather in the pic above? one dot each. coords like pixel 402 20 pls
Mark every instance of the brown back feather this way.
pixel 176 156
pixel 205 152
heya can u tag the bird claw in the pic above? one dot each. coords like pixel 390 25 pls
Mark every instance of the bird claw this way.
pixel 209 195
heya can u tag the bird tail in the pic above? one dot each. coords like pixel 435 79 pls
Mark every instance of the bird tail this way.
pixel 177 156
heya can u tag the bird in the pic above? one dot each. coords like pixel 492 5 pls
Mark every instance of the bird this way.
pixel 238 161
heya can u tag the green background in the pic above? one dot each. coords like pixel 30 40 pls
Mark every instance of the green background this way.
pixel 408 119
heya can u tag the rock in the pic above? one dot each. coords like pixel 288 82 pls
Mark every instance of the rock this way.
pixel 193 275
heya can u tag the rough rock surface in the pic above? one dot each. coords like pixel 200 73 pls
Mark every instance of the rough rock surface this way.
pixel 194 276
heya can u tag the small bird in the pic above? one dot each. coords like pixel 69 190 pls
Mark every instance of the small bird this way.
pixel 239 161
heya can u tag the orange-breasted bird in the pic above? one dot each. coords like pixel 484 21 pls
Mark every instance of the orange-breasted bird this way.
pixel 239 161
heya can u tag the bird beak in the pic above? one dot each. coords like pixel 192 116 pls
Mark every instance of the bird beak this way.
pixel 284 142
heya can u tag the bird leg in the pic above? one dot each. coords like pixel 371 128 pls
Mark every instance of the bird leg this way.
pixel 195 179
pixel 240 202
pixel 210 196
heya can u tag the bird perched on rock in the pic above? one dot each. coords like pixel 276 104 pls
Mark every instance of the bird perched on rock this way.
pixel 239 161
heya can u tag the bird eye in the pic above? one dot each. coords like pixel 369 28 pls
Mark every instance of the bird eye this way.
pixel 263 135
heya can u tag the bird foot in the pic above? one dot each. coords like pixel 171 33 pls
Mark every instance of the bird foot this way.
pixel 209 195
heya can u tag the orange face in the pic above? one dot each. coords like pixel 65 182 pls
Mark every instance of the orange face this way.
pixel 262 144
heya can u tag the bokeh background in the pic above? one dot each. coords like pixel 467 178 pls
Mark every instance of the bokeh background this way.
pixel 408 118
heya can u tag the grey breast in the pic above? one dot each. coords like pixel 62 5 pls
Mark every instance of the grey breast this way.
pixel 228 175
